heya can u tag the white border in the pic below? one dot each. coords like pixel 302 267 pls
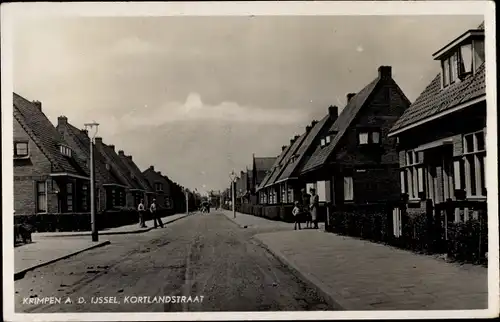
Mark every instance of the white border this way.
pixel 11 11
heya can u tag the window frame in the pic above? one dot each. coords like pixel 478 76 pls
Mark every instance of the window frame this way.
pixel 351 187
pixel 474 166
pixel 158 186
pixel 84 200
pixel 16 154
pixel 70 206
pixel 41 194
pixel 414 182
pixel 367 137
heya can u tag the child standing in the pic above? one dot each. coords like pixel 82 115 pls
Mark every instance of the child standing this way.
pixel 296 215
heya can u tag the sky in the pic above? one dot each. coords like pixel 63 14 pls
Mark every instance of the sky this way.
pixel 197 96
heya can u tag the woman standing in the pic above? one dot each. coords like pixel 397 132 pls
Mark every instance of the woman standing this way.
pixel 314 207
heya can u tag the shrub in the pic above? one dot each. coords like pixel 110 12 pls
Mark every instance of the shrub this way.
pixel 468 241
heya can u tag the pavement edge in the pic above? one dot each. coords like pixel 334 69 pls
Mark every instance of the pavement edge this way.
pixel 310 280
pixel 19 275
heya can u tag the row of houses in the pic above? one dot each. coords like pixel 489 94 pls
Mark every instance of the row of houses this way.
pixel 383 147
pixel 52 169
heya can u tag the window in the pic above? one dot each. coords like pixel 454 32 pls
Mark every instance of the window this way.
pixel 283 193
pixel 20 149
pixel 121 197
pixel 453 68
pixel 290 195
pixel 478 53
pixel 69 197
pixel 446 72
pixel 474 172
pixel 412 175
pixel 466 61
pixel 323 142
pixel 462 62
pixel 348 189
pixel 328 139
pixel 376 137
pixel 41 196
pixel 85 197
pixel 363 138
pixel 66 151
pixel 159 186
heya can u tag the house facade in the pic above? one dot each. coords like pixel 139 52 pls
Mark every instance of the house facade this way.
pixel 109 183
pixel 286 183
pixel 161 186
pixel 442 136
pixel 260 167
pixel 48 175
pixel 144 190
pixel 355 161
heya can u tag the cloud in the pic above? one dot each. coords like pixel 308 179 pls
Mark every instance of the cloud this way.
pixel 193 109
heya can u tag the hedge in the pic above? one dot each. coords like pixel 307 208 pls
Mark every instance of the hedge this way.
pixel 81 221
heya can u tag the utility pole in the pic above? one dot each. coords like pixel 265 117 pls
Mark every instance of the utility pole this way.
pixel 95 233
pixel 232 176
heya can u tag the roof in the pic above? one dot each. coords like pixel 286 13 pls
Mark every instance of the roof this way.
pixel 137 174
pixel 158 177
pixel 118 165
pixel 275 169
pixel 434 100
pixel 308 141
pixel 46 137
pixel 285 169
pixel 340 126
pixel 83 142
pixel 264 163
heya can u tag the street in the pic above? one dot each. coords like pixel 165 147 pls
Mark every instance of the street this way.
pixel 199 256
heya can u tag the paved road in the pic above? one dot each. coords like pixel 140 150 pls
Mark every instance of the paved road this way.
pixel 201 255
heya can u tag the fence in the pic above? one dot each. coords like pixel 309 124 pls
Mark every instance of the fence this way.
pixel 457 228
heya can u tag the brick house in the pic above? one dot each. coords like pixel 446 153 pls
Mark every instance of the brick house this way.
pixel 285 182
pixel 162 187
pixel 128 196
pixel 260 168
pixel 109 183
pixel 48 175
pixel 355 161
pixel 442 135
pixel 148 193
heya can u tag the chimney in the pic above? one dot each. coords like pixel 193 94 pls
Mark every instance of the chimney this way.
pixel 159 172
pixel 308 128
pixel 112 146
pixel 121 153
pixel 385 72
pixel 349 96
pixel 283 147
pixel 313 123
pixel 152 167
pixel 296 137
pixel 333 112
pixel 38 104
pixel 129 157
pixel 62 120
pixel 292 140
pixel 98 140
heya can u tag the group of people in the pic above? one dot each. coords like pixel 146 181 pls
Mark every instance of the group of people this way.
pixel 306 210
pixel 142 214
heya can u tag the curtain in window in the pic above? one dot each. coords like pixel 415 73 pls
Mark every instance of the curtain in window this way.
pixel 41 197
pixel 446 72
pixel 348 188
pixel 453 68
pixel 466 54
pixel 363 138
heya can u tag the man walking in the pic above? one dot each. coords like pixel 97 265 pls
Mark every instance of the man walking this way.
pixel 142 214
pixel 306 198
pixel 154 214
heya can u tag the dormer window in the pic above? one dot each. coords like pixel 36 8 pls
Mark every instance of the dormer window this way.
pixel 462 57
pixel 65 150
pixel 21 149
pixel 323 142
pixel 328 139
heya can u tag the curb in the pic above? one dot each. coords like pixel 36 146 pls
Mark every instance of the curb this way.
pixel 308 279
pixel 19 275
pixel 104 233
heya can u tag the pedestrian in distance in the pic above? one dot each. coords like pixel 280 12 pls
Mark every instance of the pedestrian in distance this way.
pixel 296 212
pixel 154 214
pixel 314 204
pixel 142 214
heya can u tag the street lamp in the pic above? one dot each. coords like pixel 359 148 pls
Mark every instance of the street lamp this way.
pixel 95 234
pixel 232 176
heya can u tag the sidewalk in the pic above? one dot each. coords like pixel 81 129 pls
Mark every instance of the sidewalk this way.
pixel 44 252
pixel 251 221
pixel 360 275
pixel 129 229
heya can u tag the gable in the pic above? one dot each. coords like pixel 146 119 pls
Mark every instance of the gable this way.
pixel 275 169
pixel 37 157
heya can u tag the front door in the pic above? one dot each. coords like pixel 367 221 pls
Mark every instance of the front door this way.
pixel 439 174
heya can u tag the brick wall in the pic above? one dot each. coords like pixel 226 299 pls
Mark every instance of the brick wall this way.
pixel 27 172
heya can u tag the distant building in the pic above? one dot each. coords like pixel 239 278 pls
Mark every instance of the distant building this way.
pixel 162 186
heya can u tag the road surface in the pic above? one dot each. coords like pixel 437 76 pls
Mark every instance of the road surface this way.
pixel 199 256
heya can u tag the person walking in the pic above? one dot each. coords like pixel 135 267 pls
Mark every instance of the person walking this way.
pixel 314 204
pixel 154 214
pixel 296 212
pixel 142 214
pixel 306 198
